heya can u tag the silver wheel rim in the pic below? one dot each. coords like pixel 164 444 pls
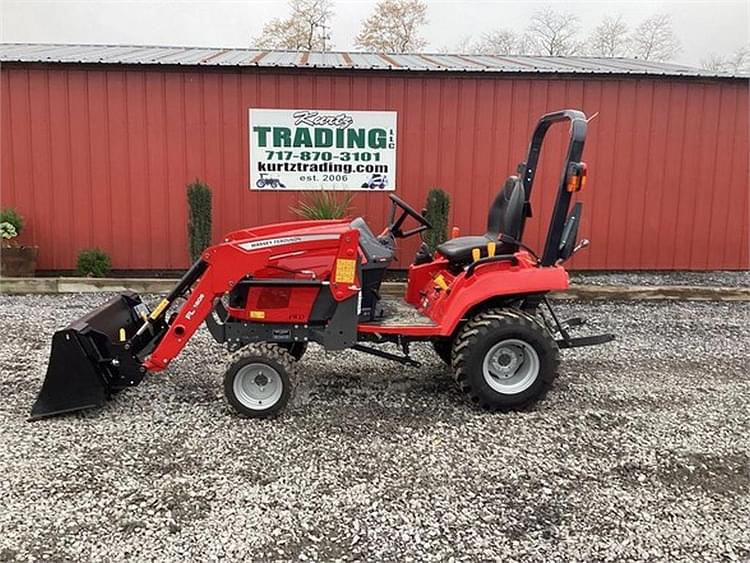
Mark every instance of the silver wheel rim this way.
pixel 258 386
pixel 511 366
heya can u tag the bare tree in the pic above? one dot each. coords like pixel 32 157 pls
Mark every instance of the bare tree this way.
pixel 610 38
pixel 714 62
pixel 553 33
pixel 304 30
pixel 737 62
pixel 500 42
pixel 394 27
pixel 464 45
pixel 654 40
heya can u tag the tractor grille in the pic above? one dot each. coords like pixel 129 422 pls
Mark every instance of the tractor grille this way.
pixel 273 297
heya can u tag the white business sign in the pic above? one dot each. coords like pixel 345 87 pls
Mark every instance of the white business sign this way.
pixel 305 149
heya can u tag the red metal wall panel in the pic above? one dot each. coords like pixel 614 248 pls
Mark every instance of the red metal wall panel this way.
pixel 100 156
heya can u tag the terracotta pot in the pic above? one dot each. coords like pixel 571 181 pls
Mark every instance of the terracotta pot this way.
pixel 18 261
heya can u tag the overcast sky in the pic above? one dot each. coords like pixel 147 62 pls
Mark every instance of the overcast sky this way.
pixel 719 26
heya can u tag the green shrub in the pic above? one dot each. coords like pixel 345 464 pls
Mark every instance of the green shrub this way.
pixel 323 205
pixel 10 215
pixel 438 204
pixel 199 218
pixel 93 262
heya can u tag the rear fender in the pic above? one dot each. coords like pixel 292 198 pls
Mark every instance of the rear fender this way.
pixel 490 285
pixel 420 277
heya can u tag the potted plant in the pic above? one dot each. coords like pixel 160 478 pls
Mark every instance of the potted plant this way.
pixel 323 205
pixel 16 260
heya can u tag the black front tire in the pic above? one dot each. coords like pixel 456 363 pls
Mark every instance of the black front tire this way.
pixel 259 380
pixel 485 339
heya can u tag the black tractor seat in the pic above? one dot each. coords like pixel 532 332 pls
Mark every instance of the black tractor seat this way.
pixel 505 216
pixel 379 254
pixel 376 250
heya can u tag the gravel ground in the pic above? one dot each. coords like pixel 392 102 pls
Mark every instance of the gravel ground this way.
pixel 704 279
pixel 640 452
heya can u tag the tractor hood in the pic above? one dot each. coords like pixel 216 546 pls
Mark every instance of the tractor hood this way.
pixel 292 229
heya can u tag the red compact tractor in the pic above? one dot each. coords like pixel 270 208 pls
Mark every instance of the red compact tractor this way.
pixel 267 291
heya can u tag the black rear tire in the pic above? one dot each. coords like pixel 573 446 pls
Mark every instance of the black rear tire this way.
pixel 259 380
pixel 504 360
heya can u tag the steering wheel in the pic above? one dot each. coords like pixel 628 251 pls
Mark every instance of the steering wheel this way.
pixel 394 225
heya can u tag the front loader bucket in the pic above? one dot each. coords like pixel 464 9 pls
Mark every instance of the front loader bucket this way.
pixel 92 358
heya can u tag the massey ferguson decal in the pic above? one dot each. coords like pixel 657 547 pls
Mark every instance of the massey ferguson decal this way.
pixel 301 149
pixel 269 242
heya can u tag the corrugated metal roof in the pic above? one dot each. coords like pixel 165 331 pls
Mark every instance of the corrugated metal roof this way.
pixel 434 62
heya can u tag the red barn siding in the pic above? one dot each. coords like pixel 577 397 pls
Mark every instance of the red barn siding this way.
pixel 100 156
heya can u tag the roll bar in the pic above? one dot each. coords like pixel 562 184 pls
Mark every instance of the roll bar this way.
pixel 578 125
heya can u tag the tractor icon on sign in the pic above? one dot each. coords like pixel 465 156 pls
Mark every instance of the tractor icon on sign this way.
pixel 268 182
pixel 376 181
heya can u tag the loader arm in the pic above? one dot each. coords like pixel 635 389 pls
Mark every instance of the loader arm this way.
pixel 223 266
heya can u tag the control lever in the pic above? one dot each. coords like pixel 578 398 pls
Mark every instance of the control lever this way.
pixel 581 245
